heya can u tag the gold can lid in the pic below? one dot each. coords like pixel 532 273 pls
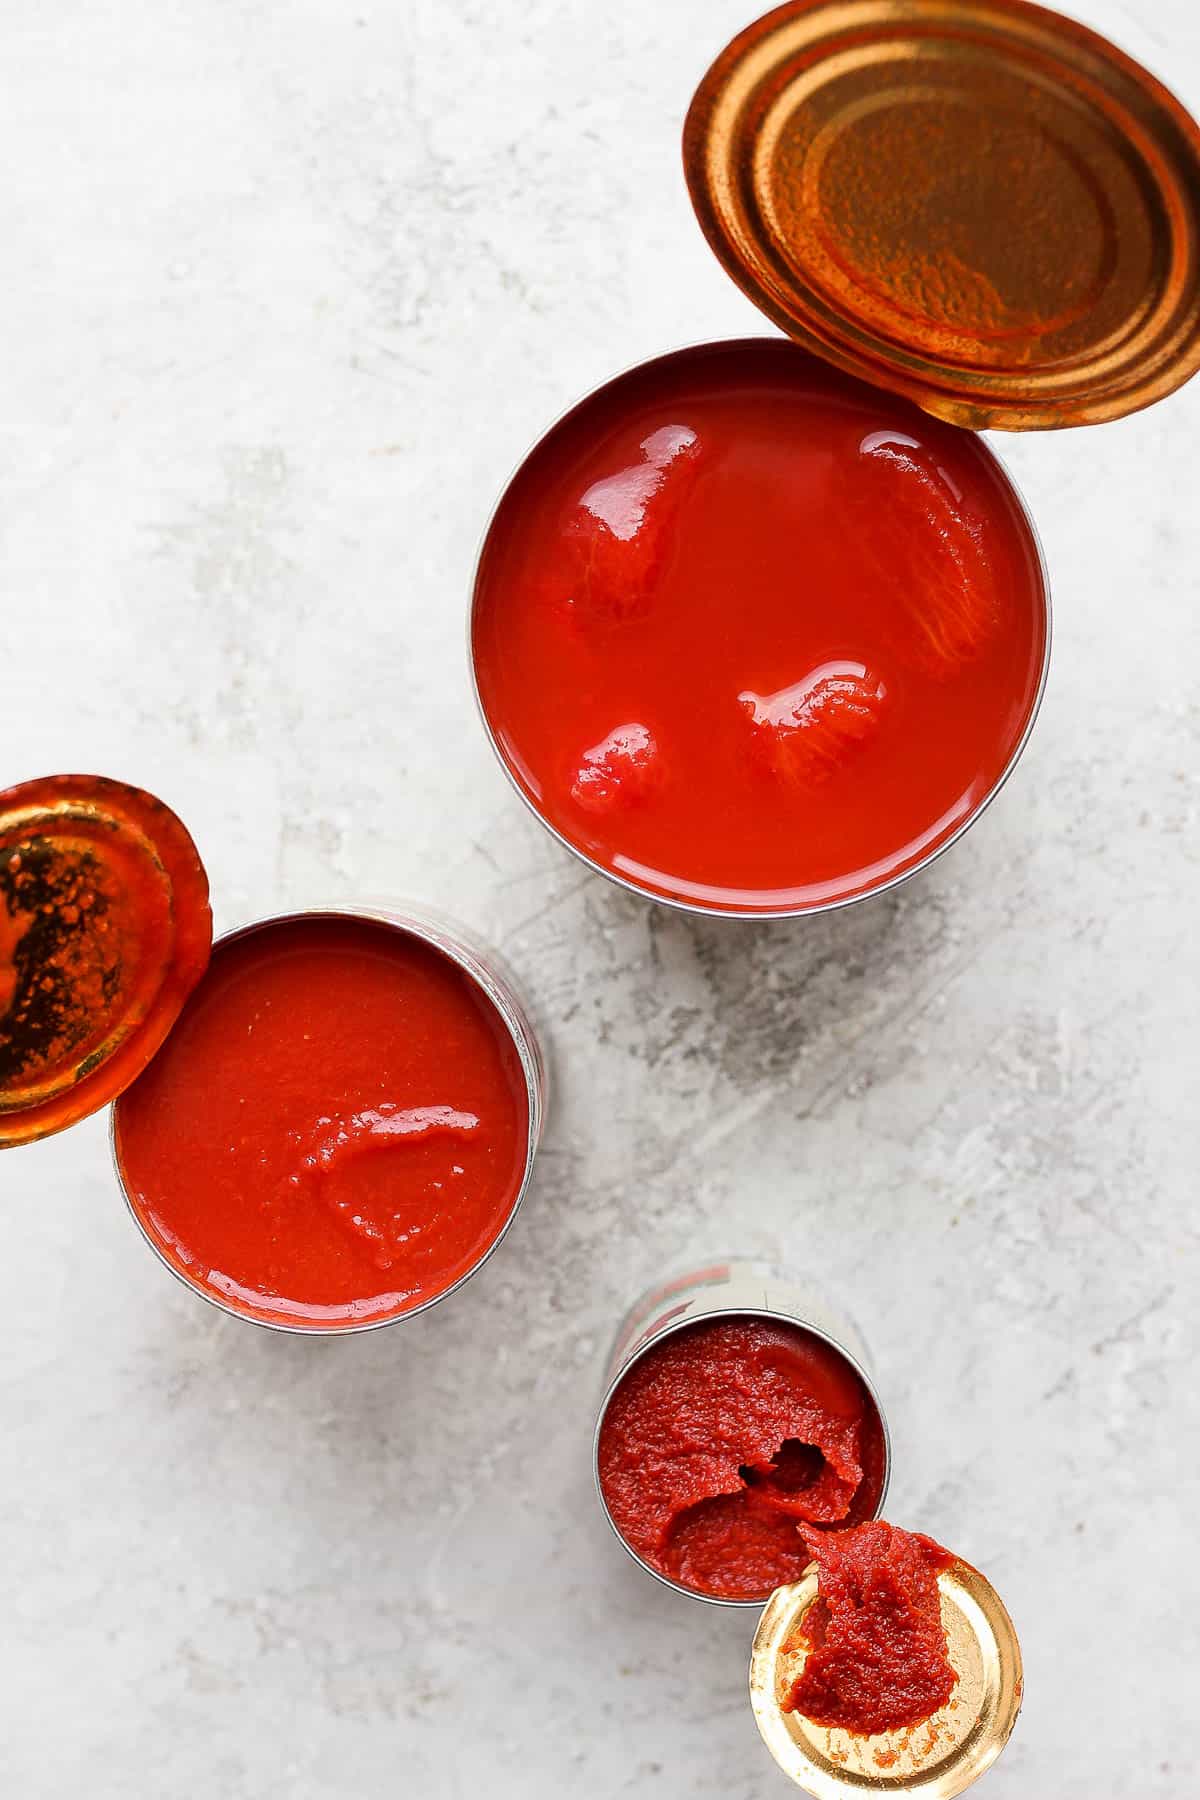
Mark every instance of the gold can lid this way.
pixel 105 928
pixel 976 203
pixel 935 1759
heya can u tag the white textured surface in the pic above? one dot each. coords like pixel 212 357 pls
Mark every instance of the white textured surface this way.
pixel 289 286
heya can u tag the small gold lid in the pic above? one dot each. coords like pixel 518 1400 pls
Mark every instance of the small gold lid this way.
pixel 105 929
pixel 979 204
pixel 936 1759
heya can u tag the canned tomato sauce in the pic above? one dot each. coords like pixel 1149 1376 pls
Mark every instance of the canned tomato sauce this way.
pixel 340 1125
pixel 754 637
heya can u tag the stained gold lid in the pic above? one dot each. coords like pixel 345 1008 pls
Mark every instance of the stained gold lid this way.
pixel 105 929
pixel 976 203
pixel 935 1759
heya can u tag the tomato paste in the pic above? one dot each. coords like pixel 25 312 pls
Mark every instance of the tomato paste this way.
pixel 876 1646
pixel 724 1438
pixel 336 1129
pixel 754 636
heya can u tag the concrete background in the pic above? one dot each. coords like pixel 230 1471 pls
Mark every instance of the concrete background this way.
pixel 289 287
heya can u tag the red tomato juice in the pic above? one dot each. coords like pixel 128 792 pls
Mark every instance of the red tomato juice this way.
pixel 876 1654
pixel 755 637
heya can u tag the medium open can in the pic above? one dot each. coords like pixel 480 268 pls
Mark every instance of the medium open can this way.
pixel 323 1123
pixel 743 1312
pixel 760 628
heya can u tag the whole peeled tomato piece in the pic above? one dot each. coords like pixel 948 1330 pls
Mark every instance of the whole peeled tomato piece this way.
pixel 809 730
pixel 926 550
pixel 618 537
pixel 623 769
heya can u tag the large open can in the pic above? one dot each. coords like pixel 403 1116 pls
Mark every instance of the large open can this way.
pixel 973 209
pixel 498 649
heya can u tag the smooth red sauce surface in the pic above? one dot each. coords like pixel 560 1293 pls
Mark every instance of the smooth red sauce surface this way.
pixel 755 636
pixel 723 1439
pixel 335 1130
pixel 876 1647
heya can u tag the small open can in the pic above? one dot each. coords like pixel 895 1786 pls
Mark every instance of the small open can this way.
pixel 733 1289
pixel 106 932
pixel 947 1752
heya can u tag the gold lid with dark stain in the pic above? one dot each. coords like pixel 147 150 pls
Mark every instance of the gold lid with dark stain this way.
pixel 976 203
pixel 936 1759
pixel 105 928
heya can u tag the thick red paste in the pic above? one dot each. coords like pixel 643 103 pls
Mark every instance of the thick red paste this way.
pixel 876 1648
pixel 724 1438
pixel 753 635
pixel 335 1130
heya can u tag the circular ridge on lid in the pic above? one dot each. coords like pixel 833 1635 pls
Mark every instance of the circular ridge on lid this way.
pixel 936 1759
pixel 105 929
pixel 977 203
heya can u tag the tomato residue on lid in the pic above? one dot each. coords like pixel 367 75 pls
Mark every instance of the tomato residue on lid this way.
pixel 876 1647
pixel 104 930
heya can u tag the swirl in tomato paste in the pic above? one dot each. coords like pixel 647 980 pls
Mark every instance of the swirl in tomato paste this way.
pixel 724 1439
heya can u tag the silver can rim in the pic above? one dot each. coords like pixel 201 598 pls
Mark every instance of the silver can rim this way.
pixel 670 1330
pixel 443 937
pixel 695 907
